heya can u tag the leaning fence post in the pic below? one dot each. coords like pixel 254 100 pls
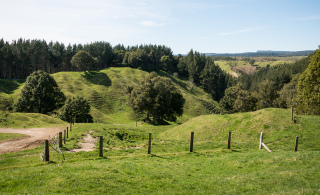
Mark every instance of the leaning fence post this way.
pixel 60 139
pixel 101 147
pixel 296 145
pixel 67 133
pixel 46 148
pixel 191 142
pixel 64 138
pixel 149 143
pixel 229 140
pixel 261 140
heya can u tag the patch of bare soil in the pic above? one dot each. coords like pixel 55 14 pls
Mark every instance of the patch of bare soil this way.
pixel 36 137
pixel 87 144
pixel 247 69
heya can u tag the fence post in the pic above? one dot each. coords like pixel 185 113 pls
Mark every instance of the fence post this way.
pixel 64 138
pixel 70 126
pixel 229 140
pixel 60 139
pixel 149 143
pixel 101 147
pixel 46 152
pixel 191 142
pixel 296 145
pixel 261 140
pixel 67 133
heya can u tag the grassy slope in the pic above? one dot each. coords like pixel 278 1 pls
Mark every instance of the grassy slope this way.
pixel 172 169
pixel 28 120
pixel 104 91
pixel 228 65
pixel 279 130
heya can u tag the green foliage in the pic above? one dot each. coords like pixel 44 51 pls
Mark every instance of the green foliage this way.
pixel 288 94
pixel 280 74
pixel 213 80
pixel 309 87
pixel 238 100
pixel 40 94
pixel 266 94
pixel 77 108
pixel 83 61
pixel 158 97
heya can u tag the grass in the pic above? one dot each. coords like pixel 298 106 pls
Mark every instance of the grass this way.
pixel 11 136
pixel 105 91
pixel 260 62
pixel 279 130
pixel 28 120
pixel 172 169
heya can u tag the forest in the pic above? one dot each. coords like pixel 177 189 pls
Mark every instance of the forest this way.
pixel 275 86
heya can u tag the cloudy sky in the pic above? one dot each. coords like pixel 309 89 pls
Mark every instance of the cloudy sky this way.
pixel 215 26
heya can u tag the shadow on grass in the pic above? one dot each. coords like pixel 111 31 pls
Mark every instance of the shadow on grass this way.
pixel 182 85
pixel 97 78
pixel 153 155
pixel 8 86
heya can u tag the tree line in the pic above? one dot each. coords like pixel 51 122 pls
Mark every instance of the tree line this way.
pixel 289 85
pixel 22 57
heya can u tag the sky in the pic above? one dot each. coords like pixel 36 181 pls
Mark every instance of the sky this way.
pixel 207 26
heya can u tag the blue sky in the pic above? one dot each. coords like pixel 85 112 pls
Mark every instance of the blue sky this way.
pixel 216 26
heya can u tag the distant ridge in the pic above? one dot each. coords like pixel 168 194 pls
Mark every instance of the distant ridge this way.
pixel 261 53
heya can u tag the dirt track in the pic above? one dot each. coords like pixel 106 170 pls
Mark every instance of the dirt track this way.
pixel 37 135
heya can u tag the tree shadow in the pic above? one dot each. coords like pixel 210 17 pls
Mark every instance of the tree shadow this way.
pixel 8 86
pixel 97 78
pixel 182 85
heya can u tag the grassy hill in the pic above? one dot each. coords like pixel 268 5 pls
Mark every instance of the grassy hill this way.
pixel 279 131
pixel 104 90
pixel 172 169
pixel 228 66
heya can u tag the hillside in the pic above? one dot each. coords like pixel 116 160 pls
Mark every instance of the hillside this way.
pixel 126 168
pixel 279 130
pixel 104 90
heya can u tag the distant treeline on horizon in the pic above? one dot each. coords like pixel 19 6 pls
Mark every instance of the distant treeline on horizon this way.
pixel 263 53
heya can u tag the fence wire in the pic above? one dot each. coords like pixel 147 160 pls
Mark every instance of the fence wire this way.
pixel 54 143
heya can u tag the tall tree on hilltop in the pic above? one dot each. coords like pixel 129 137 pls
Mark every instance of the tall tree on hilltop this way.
pixel 83 61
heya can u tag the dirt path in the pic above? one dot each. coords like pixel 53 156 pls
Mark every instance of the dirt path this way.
pixel 36 137
pixel 87 145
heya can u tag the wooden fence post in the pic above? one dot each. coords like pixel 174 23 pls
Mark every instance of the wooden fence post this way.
pixel 64 138
pixel 149 143
pixel 60 139
pixel 67 133
pixel 46 152
pixel 101 147
pixel 191 142
pixel 261 140
pixel 296 145
pixel 229 140
pixel 70 126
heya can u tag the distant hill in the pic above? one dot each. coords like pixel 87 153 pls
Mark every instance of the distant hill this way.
pixel 104 90
pixel 263 53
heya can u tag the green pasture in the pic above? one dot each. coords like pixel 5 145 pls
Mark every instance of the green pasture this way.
pixel 126 168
